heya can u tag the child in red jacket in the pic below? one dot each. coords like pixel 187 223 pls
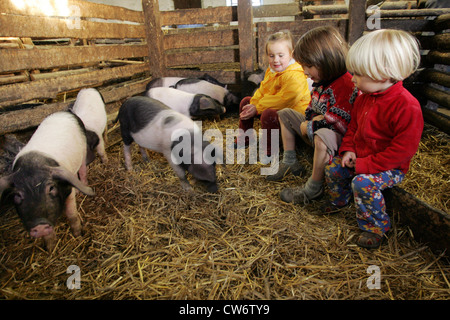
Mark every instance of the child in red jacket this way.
pixel 384 132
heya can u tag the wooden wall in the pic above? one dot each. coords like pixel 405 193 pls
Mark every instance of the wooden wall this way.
pixel 47 57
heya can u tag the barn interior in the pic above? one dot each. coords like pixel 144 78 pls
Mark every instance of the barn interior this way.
pixel 143 236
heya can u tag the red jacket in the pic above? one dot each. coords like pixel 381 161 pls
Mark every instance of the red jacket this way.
pixel 384 131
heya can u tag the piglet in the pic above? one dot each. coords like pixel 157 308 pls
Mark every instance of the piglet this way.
pixel 44 176
pixel 221 94
pixel 190 104
pixel 90 108
pixel 153 125
pixel 167 82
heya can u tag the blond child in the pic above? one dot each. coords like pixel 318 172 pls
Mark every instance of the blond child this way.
pixel 284 86
pixel 384 132
pixel 322 52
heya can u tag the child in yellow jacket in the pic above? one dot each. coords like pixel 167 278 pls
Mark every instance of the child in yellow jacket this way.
pixel 284 86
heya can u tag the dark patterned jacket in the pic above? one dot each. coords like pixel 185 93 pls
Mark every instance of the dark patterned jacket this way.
pixel 334 100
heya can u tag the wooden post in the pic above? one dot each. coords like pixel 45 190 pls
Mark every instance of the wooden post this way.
pixel 356 19
pixel 246 36
pixel 154 37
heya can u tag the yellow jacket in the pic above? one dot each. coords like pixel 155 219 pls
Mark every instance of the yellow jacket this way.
pixel 285 89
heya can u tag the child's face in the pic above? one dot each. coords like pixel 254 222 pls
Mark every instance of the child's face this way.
pixel 368 85
pixel 279 55
pixel 312 73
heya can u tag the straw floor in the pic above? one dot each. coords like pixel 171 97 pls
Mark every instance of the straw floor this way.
pixel 144 238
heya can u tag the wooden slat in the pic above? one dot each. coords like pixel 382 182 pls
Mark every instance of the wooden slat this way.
pixel 276 10
pixel 411 25
pixel 47 58
pixel 201 39
pixel 357 20
pixel 45 27
pixel 199 16
pixel 49 88
pixel 154 36
pixel 438 57
pixel 79 8
pixel 201 57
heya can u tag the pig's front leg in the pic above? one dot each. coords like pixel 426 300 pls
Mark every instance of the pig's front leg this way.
pixel 144 154
pixel 72 214
pixel 82 172
pixel 127 156
pixel 181 173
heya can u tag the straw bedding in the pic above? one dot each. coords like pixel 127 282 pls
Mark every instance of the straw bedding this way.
pixel 144 238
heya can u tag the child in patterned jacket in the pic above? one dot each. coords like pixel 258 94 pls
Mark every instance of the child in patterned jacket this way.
pixel 322 52
pixel 384 132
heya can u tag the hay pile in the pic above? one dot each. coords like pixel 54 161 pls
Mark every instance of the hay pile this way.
pixel 146 239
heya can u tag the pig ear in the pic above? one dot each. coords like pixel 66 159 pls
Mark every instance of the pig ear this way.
pixel 205 104
pixel 62 174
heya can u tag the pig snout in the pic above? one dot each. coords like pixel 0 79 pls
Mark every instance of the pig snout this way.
pixel 41 230
pixel 212 187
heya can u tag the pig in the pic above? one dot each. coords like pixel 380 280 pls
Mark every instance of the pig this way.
pixel 44 177
pixel 166 82
pixel 90 108
pixel 153 125
pixel 189 104
pixel 221 94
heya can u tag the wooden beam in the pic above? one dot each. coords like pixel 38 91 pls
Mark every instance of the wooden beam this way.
pixel 357 20
pixel 154 37
pixel 199 16
pixel 246 36
pixel 50 27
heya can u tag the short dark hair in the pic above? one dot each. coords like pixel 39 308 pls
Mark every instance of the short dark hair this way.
pixel 325 49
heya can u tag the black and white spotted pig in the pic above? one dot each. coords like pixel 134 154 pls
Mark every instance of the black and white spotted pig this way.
pixel 189 104
pixel 221 94
pixel 90 108
pixel 153 125
pixel 44 176
pixel 163 82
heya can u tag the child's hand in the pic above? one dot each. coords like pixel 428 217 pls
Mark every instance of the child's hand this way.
pixel 248 111
pixel 318 118
pixel 349 159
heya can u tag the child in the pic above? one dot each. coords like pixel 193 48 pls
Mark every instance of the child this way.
pixel 284 86
pixel 384 132
pixel 322 53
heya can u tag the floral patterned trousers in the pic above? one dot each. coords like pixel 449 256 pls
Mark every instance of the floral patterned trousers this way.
pixel 366 190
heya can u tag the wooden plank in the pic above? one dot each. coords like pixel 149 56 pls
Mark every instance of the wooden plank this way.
pixel 440 97
pixel 437 119
pixel 428 224
pixel 47 27
pixel 438 77
pixel 411 25
pixel 438 57
pixel 199 16
pixel 49 88
pixel 47 58
pixel 75 8
pixel 442 22
pixel 154 36
pixel 276 10
pixel 29 118
pixel 356 20
pixel 246 36
pixel 200 38
pixel 201 57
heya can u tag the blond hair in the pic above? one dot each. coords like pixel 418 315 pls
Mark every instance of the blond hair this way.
pixel 325 49
pixel 385 54
pixel 283 35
